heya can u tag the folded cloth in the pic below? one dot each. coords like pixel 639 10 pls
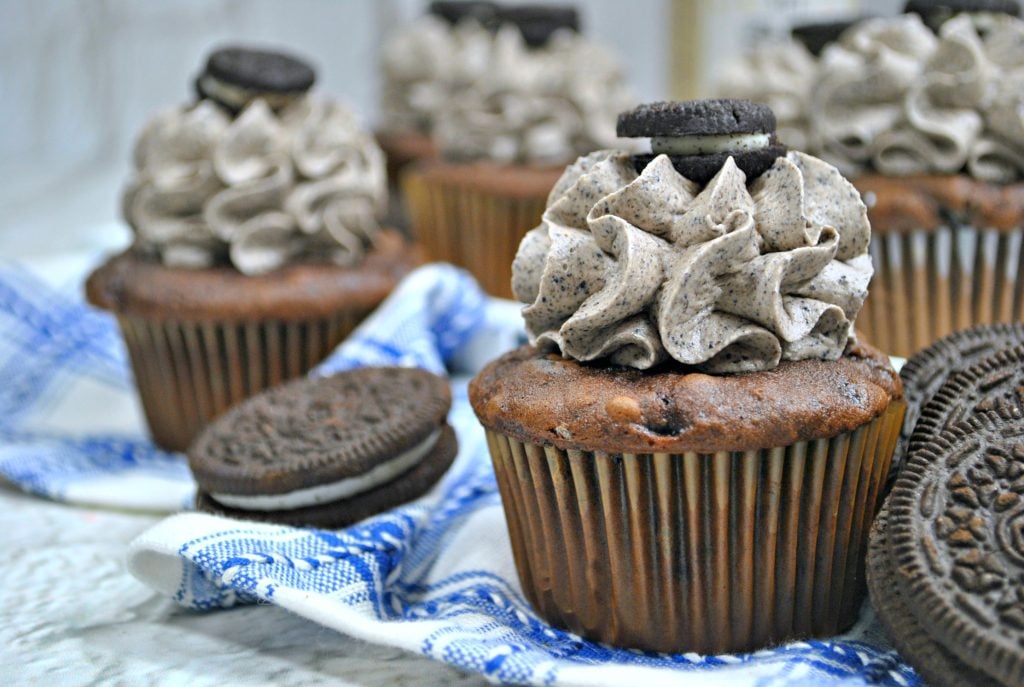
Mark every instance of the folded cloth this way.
pixel 435 576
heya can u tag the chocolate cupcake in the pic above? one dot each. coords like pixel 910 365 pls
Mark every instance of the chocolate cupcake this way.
pixel 691 450
pixel 926 122
pixel 545 96
pixel 257 247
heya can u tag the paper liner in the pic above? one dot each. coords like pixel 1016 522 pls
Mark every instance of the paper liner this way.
pixel 708 553
pixel 476 228
pixel 930 283
pixel 188 373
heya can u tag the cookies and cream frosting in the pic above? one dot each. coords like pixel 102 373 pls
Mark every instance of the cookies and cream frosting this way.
pixel 732 277
pixel 894 96
pixel 779 74
pixel 258 190
pixel 488 95
pixel 540 105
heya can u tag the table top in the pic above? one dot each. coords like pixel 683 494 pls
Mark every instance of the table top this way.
pixel 73 615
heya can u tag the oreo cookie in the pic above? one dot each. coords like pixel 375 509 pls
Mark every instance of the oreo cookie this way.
pixel 953 541
pixel 486 13
pixel 935 663
pixel 815 36
pixel 538 23
pixel 935 12
pixel 994 383
pixel 326 452
pixel 926 371
pixel 700 135
pixel 234 76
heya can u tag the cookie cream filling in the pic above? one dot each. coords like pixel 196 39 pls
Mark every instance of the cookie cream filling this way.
pixel 704 145
pixel 238 97
pixel 335 491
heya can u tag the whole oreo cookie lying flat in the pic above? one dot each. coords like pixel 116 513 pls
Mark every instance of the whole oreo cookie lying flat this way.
pixel 453 12
pixel 936 664
pixel 817 35
pixel 926 371
pixel 234 76
pixel 326 452
pixel 537 23
pixel 955 542
pixel 700 135
pixel 935 12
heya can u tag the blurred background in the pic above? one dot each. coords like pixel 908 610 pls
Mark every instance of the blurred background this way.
pixel 79 79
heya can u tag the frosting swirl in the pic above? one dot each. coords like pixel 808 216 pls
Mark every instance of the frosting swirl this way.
pixel 258 191
pixel 488 95
pixel 779 74
pixel 894 96
pixel 542 105
pixel 427 62
pixel 637 268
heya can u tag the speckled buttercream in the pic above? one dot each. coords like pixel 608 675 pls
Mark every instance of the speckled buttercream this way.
pixel 637 268
pixel 259 190
pixel 893 96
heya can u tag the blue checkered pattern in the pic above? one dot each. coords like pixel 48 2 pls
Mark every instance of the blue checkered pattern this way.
pixel 435 576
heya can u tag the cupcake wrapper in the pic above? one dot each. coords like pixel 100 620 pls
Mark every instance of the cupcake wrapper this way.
pixel 930 283
pixel 478 229
pixel 188 373
pixel 707 553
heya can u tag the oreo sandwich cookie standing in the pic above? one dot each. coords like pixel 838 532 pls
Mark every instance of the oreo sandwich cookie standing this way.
pixel 700 135
pixel 235 76
pixel 327 452
pixel 946 561
pixel 926 371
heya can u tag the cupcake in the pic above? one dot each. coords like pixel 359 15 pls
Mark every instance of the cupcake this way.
pixel 546 96
pixel 693 446
pixel 423 65
pixel 256 244
pixel 928 124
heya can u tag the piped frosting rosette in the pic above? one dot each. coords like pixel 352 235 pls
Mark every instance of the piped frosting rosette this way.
pixel 259 190
pixel 539 105
pixel 779 74
pixel 894 96
pixel 636 268
pixel 425 64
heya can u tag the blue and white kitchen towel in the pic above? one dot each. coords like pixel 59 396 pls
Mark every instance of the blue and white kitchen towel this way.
pixel 435 577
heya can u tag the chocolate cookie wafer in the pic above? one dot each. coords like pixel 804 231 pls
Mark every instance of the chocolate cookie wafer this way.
pixel 926 371
pixel 955 542
pixel 538 23
pixel 992 383
pixel 936 664
pixel 234 76
pixel 700 135
pixel 935 12
pixel 327 452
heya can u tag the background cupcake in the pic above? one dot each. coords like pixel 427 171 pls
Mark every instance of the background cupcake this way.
pixel 548 94
pixel 930 126
pixel 692 452
pixel 257 247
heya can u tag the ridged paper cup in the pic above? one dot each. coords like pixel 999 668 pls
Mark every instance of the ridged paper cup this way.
pixel 188 373
pixel 947 252
pixel 709 553
pixel 402 148
pixel 475 215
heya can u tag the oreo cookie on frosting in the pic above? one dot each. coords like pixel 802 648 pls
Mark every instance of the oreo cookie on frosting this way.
pixel 538 23
pixel 935 12
pixel 700 135
pixel 234 76
pixel 327 452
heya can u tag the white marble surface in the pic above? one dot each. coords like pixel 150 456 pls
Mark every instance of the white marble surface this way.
pixel 70 614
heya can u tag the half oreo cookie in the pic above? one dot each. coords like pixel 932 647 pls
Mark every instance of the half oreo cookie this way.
pixel 700 135
pixel 327 452
pixel 935 12
pixel 234 76
pixel 538 23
